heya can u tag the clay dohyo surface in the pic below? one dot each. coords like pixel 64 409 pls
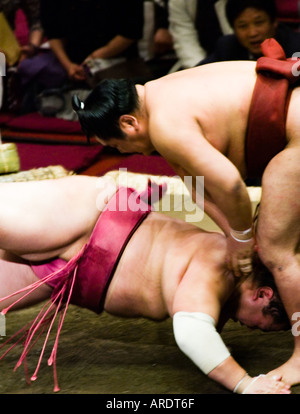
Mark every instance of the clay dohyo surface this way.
pixel 104 354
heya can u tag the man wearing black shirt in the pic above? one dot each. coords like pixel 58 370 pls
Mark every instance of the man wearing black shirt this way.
pixel 80 30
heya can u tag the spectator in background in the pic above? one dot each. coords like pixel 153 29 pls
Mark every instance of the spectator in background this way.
pixel 195 26
pixel 163 40
pixel 17 53
pixel 31 9
pixel 156 47
pixel 80 31
pixel 85 37
pixel 253 21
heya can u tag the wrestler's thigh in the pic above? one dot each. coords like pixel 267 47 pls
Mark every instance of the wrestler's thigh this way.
pixel 279 214
pixel 15 276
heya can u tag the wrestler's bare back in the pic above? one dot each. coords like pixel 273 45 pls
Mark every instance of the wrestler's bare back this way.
pixel 213 99
pixel 42 220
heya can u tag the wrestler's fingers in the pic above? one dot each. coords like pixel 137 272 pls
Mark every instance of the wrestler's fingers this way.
pixel 275 377
pixel 277 386
pixel 242 267
pixel 267 385
pixel 281 388
pixel 234 267
pixel 245 262
pixel 281 391
pixel 245 266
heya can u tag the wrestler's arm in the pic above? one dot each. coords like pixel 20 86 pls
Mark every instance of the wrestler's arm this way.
pixel 215 213
pixel 229 203
pixel 196 304
pixel 198 158
pixel 39 216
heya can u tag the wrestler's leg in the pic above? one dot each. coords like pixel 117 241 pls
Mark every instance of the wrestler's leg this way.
pixel 16 275
pixel 278 237
pixel 49 216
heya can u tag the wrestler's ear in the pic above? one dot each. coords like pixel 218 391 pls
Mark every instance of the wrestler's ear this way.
pixel 128 123
pixel 263 292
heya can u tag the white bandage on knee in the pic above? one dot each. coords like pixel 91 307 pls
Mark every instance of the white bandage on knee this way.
pixel 196 336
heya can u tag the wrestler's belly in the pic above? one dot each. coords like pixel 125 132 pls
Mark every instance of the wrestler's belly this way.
pixel 135 300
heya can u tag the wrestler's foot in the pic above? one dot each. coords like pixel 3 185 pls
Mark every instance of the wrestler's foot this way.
pixel 289 371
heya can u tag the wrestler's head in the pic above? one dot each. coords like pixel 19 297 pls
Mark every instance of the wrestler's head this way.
pixel 112 114
pixel 259 304
pixel 100 114
pixel 253 21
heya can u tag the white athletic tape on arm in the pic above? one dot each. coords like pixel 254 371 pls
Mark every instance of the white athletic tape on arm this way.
pixel 195 334
pixel 242 236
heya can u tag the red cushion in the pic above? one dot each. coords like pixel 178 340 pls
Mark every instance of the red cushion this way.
pixel 72 157
pixel 4 118
pixel 145 164
pixel 288 8
pixel 37 122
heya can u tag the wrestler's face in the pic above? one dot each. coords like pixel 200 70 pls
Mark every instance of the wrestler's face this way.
pixel 250 310
pixel 127 145
pixel 260 321
pixel 135 137
pixel 252 27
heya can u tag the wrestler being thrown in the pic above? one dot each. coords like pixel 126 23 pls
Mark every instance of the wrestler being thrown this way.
pixel 77 239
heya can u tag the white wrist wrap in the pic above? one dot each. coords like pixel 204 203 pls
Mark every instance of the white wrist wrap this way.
pixel 196 336
pixel 241 236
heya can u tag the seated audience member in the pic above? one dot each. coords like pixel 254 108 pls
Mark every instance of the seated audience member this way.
pixel 195 26
pixel 156 47
pixel 82 240
pixel 31 9
pixel 253 21
pixel 26 48
pixel 87 36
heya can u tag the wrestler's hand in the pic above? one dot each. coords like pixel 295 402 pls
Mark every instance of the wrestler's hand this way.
pixel 264 384
pixel 239 256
